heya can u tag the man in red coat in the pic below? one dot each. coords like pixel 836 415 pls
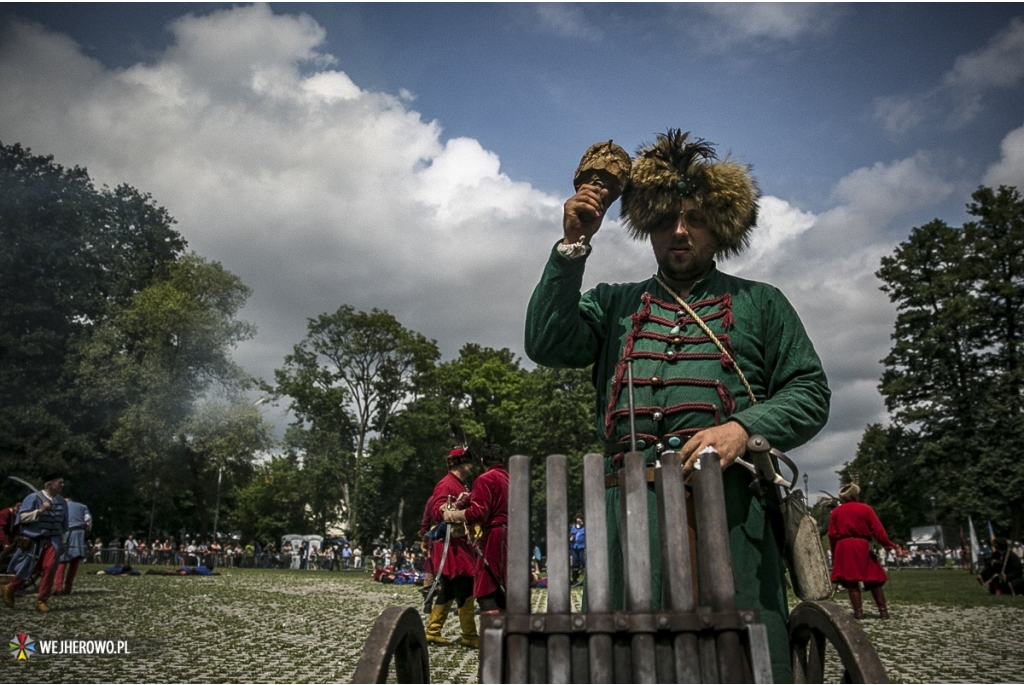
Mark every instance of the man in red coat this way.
pixel 488 508
pixel 8 532
pixel 8 524
pixel 851 527
pixel 457 569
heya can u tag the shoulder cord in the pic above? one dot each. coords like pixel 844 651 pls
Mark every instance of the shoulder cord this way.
pixel 707 331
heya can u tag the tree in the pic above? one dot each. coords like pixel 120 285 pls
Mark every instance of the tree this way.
pixel 483 387
pixel 555 415
pixel 347 380
pixel 219 444
pixel 272 502
pixel 953 380
pixel 472 398
pixel 153 361
pixel 71 255
pixel 996 474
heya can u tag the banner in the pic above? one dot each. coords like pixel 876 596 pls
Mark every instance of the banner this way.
pixel 975 547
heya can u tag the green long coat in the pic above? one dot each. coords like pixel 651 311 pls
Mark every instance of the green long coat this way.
pixel 683 383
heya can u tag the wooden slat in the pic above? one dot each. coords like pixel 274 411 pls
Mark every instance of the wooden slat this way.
pixel 518 564
pixel 676 561
pixel 716 565
pixel 637 562
pixel 558 564
pixel 601 659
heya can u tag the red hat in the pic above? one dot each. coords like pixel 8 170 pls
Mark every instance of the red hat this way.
pixel 459 455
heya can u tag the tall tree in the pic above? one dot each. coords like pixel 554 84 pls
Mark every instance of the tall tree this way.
pixel 219 445
pixel 155 359
pixel 348 379
pixel 71 256
pixel 483 386
pixel 952 382
pixel 471 397
pixel 996 237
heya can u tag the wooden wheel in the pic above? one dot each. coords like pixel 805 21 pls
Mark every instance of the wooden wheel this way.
pixel 398 636
pixel 815 625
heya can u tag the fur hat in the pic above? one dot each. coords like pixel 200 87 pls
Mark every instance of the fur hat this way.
pixel 674 168
pixel 459 456
pixel 849 492
pixel 492 454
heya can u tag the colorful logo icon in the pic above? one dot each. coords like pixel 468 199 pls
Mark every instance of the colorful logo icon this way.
pixel 22 646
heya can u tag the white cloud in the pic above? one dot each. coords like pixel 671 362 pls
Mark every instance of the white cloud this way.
pixel 1000 64
pixel 1009 170
pixel 773 21
pixel 314 191
pixel 960 95
pixel 569 21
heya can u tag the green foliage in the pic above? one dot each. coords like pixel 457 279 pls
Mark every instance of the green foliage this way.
pixel 953 380
pixel 154 359
pixel 71 256
pixel 350 376
pixel 555 415
pixel 272 502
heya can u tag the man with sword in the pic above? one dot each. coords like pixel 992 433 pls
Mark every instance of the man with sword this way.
pixel 488 508
pixel 451 559
pixel 43 517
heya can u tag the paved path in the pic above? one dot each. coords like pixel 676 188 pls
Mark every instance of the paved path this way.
pixel 271 626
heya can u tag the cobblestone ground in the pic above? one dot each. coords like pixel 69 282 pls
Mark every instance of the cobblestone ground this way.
pixel 293 626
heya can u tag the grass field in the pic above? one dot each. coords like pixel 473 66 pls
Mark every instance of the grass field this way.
pixel 295 626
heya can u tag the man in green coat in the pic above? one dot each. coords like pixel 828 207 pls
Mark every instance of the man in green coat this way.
pixel 715 358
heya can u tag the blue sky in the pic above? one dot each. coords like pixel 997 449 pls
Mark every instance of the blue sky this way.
pixel 414 157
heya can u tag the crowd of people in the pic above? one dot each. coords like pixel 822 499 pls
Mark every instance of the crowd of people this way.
pixel 335 556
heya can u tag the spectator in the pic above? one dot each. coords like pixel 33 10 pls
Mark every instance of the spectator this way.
pixel 130 547
pixel 578 549
pixel 378 557
pixel 346 556
pixel 357 557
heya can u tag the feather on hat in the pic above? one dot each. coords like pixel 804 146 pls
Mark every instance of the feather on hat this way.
pixel 675 167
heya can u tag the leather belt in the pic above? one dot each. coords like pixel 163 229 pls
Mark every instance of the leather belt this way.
pixel 612 480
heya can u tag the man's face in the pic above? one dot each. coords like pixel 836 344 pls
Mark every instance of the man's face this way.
pixel 464 472
pixel 684 246
pixel 54 486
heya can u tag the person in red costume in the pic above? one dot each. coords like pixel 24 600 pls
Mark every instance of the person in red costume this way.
pixel 488 508
pixel 851 527
pixel 456 572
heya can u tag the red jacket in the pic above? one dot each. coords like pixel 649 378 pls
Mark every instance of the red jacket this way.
pixel 461 560
pixel 851 528
pixel 488 508
pixel 8 525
